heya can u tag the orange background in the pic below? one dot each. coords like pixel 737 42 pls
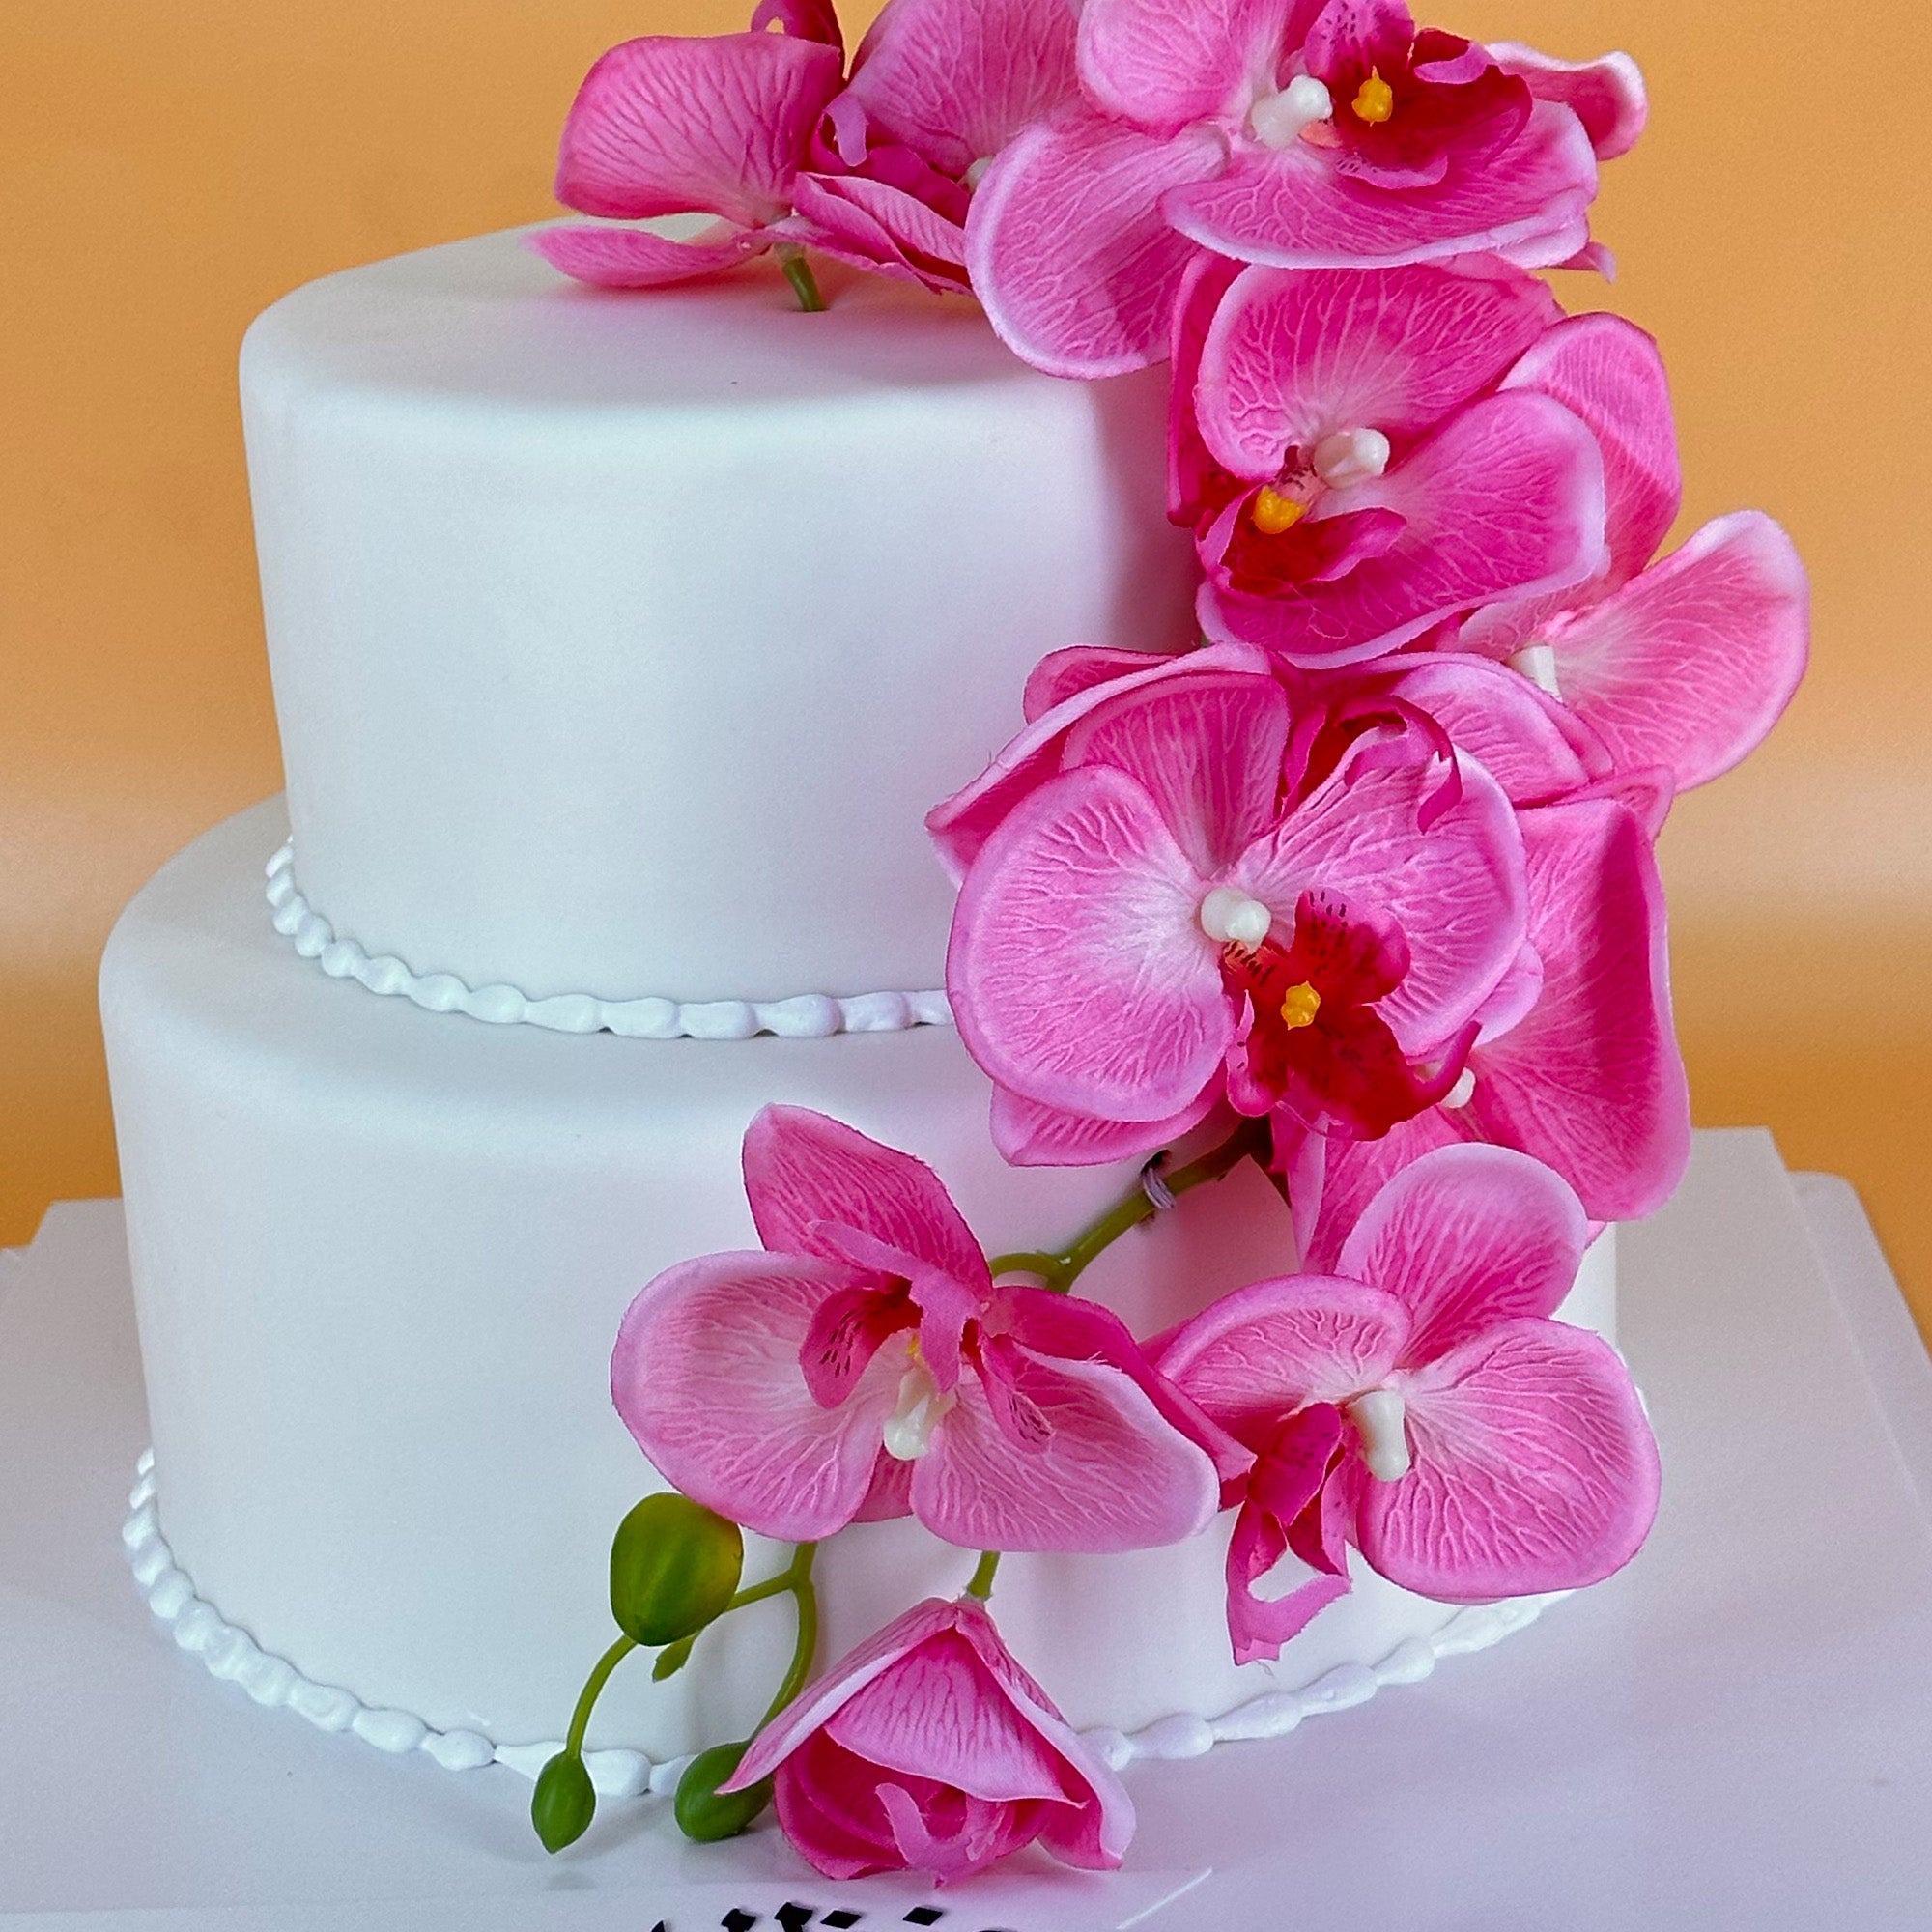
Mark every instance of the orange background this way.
pixel 171 166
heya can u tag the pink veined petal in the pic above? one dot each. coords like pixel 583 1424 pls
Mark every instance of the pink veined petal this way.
pixel 1278 1345
pixel 1294 356
pixel 1164 63
pixel 1110 1473
pixel 945 1303
pixel 1506 499
pixel 1467 1237
pixel 1351 1173
pixel 1069 253
pixel 955 81
pixel 1534 1470
pixel 1193 478
pixel 1607 371
pixel 1292 207
pixel 828 1807
pixel 941 1714
pixel 1515 995
pixel 1060 676
pixel 849 1329
pixel 1207 749
pixel 1258 1627
pixel 1607 94
pixel 1531 745
pixel 669 125
pixel 961 824
pixel 1591 1082
pixel 890 1496
pixel 1693 660
pixel 1647 790
pixel 706 1376
pixel 874 225
pixel 1028 1134
pixel 953 1837
pixel 806 19
pixel 804 1169
pixel 1078 971
pixel 1456 891
pixel 638 258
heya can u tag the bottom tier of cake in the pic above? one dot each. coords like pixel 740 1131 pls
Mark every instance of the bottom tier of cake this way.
pixel 380 1257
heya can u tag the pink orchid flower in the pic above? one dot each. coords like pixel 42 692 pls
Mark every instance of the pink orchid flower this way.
pixel 1421 1405
pixel 929 1749
pixel 1283 131
pixel 1123 925
pixel 1585 1075
pixel 1686 663
pixel 1355 462
pixel 670 124
pixel 863 1365
pixel 938 88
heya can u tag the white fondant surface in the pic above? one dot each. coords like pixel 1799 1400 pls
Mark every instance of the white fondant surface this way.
pixel 380 1257
pixel 621 642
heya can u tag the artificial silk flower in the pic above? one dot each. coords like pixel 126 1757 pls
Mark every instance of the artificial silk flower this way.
pixel 929 1749
pixel 1120 929
pixel 1354 464
pixel 865 1365
pixel 1586 1076
pixel 1420 1404
pixel 1282 131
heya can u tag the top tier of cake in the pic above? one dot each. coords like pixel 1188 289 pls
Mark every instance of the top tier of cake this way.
pixel 621 642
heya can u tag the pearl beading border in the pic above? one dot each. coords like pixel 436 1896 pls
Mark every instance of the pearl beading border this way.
pixel 232 1654
pixel 803 1016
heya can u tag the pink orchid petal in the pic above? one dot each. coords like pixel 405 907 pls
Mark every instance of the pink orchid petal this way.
pixel 1207 749
pixel 1534 1470
pixel 827 1805
pixel 669 125
pixel 889 1495
pixel 1164 63
pixel 876 226
pixel 1333 1181
pixel 638 258
pixel 960 825
pixel 1467 1237
pixel 957 82
pixel 1647 790
pixel 1278 1345
pixel 1258 1627
pixel 1028 1134
pixel 1515 995
pixel 803 1169
pixel 849 1329
pixel 806 19
pixel 1693 660
pixel 1607 94
pixel 1060 676
pixel 1069 253
pixel 706 1378
pixel 1294 209
pixel 1456 891
pixel 1506 499
pixel 945 1304
pixel 1294 356
pixel 950 1837
pixel 1534 747
pixel 1193 477
pixel 1078 971
pixel 1607 371
pixel 1110 1474
pixel 1591 1082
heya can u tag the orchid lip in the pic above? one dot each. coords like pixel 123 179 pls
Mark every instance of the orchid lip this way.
pixel 1380 1419
pixel 921 1406
pixel 1277 119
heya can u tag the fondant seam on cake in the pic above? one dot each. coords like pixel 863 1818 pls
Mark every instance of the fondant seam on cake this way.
pixel 802 1017
pixel 230 1653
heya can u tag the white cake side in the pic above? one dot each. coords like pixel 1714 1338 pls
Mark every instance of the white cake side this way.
pixel 621 645
pixel 380 1258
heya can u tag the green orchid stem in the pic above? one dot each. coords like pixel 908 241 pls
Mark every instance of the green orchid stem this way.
pixel 798 1580
pixel 804 284
pixel 981 1585
pixel 1059 1272
pixel 579 1719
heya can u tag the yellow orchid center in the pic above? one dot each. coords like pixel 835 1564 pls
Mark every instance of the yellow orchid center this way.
pixel 1299 1008
pixel 1272 513
pixel 1375 102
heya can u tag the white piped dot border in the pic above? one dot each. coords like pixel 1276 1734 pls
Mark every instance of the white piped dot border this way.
pixel 803 1016
pixel 231 1653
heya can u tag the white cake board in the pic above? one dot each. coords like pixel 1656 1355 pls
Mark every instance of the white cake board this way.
pixel 1737 1732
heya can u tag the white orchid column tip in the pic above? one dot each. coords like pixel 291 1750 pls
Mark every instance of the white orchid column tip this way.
pixel 1276 120
pixel 1538 664
pixel 1351 456
pixel 1381 1421
pixel 921 1403
pixel 1229 916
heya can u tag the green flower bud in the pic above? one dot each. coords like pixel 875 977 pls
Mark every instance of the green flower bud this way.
pixel 674 1566
pixel 563 1803
pixel 706 1813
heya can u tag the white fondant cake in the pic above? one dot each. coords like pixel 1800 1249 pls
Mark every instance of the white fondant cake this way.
pixel 618 648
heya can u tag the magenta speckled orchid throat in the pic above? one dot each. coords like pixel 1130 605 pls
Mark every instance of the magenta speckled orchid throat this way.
pixel 1351 885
